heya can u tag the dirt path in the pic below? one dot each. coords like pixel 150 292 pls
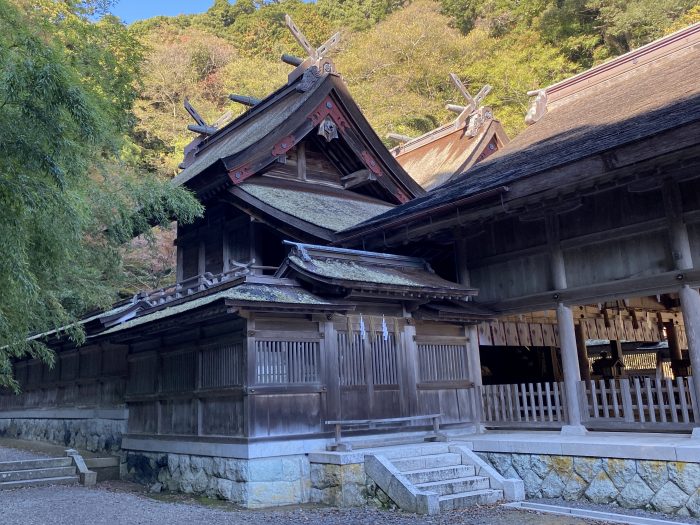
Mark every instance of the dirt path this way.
pixel 118 503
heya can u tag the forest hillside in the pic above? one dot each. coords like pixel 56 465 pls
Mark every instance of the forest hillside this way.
pixel 394 55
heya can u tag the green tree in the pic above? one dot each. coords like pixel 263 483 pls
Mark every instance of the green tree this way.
pixel 67 201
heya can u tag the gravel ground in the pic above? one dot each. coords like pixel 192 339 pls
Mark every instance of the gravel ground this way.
pixel 15 454
pixel 614 508
pixel 117 503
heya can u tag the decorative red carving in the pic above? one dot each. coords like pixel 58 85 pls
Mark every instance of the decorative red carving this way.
pixel 326 108
pixel 283 146
pixel 371 163
pixel 239 174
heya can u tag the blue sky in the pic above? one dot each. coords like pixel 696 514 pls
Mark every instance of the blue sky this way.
pixel 132 10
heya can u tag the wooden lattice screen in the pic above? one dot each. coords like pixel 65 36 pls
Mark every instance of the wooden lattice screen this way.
pixel 442 362
pixel 222 365
pixel 280 362
pixel 354 352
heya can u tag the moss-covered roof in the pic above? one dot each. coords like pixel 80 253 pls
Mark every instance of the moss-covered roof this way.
pixel 243 293
pixel 353 271
pixel 334 213
pixel 358 269
pixel 244 131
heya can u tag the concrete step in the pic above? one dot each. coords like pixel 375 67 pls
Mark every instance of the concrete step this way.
pixel 41 482
pixel 430 461
pixel 439 474
pixel 29 464
pixel 455 486
pixel 463 500
pixel 40 473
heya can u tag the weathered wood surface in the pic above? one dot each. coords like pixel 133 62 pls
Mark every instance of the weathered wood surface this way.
pixel 645 403
pixel 525 404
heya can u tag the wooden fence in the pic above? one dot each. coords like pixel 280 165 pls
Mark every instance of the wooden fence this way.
pixel 644 404
pixel 647 403
pixel 526 404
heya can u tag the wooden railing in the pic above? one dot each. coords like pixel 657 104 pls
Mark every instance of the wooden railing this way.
pixel 525 404
pixel 644 404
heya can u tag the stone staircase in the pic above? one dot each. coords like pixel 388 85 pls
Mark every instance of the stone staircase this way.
pixel 38 472
pixel 430 478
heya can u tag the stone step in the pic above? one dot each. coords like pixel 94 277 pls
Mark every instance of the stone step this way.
pixel 430 461
pixel 29 464
pixel 41 482
pixel 439 474
pixel 455 486
pixel 409 451
pixel 39 473
pixel 463 500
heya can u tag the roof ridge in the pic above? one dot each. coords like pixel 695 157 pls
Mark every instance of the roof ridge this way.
pixel 625 63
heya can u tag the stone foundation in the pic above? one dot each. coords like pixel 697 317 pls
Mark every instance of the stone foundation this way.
pixel 671 487
pixel 346 485
pixel 95 435
pixel 251 483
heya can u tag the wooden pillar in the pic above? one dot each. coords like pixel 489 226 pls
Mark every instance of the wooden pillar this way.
pixel 690 304
pixel 680 245
pixel 462 268
pixel 556 256
pixel 572 375
pixel 583 362
pixel 411 366
pixel 674 348
pixel 331 370
pixel 474 364
pixel 255 246
pixel 616 349
pixel 689 297
pixel 250 378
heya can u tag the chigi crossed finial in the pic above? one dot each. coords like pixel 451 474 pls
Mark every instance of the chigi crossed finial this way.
pixel 316 56
pixel 472 102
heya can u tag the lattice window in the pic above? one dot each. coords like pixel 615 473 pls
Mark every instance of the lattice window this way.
pixel 384 368
pixel 178 372
pixel 223 365
pixel 287 362
pixel 351 359
pixel 142 374
pixel 442 362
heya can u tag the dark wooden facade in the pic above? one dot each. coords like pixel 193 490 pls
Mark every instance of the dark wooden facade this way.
pixel 264 335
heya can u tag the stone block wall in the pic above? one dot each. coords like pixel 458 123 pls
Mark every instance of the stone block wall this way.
pixel 672 487
pixel 345 486
pixel 252 483
pixel 95 435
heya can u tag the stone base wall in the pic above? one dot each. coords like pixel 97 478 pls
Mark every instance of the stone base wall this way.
pixel 672 487
pixel 346 486
pixel 251 483
pixel 95 435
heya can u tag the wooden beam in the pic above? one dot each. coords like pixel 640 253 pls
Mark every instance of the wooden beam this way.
pixel 666 282
pixel 357 178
